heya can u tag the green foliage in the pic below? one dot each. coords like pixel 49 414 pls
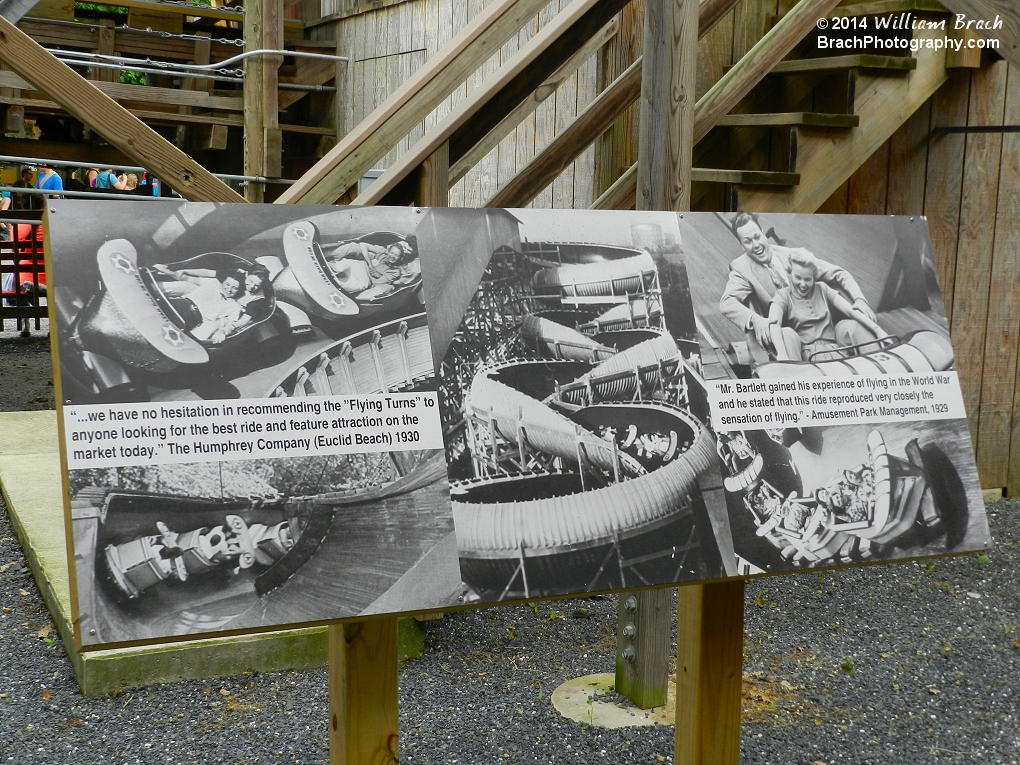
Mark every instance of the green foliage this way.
pixel 132 78
pixel 97 8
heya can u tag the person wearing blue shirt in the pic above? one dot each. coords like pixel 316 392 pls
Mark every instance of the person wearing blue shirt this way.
pixel 49 180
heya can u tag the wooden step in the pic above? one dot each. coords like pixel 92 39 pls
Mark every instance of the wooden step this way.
pixel 882 7
pixel 744 177
pixel 853 61
pixel 791 119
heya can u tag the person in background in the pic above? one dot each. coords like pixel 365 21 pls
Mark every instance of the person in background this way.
pixel 48 180
pixel 107 180
pixel 23 201
pixel 77 181
pixel 5 228
pixel 131 182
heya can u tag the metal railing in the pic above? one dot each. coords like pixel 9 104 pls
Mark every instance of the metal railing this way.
pixel 22 270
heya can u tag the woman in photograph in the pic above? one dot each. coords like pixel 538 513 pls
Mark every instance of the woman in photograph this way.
pixel 208 301
pixel 801 316
pixel 369 271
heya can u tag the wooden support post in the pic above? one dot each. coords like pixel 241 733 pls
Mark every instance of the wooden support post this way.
pixel 709 655
pixel 362 689
pixel 108 118
pixel 434 179
pixel 1007 32
pixel 106 47
pixel 665 145
pixel 263 28
pixel 642 646
pixel 202 55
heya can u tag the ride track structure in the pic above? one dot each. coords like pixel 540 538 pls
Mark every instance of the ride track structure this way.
pixel 390 357
pixel 553 502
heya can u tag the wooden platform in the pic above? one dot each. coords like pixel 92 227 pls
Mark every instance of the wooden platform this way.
pixel 30 480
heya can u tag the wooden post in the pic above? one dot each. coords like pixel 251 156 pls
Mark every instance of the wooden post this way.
pixel 434 179
pixel 362 689
pixel 709 653
pixel 263 28
pixel 107 48
pixel 665 143
pixel 202 55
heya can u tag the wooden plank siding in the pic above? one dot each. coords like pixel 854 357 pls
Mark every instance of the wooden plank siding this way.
pixel 968 187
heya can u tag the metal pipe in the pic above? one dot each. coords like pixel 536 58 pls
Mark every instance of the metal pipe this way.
pixel 216 66
pixel 270 52
pixel 8 158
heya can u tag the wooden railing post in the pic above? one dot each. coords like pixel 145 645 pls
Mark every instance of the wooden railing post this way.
pixel 362 687
pixel 263 28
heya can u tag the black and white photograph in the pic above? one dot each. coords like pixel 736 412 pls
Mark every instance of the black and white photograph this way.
pixel 832 296
pixel 201 302
pixel 580 460
pixel 815 295
pixel 186 301
pixel 175 550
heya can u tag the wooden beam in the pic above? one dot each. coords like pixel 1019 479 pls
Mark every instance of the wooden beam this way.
pixel 110 120
pixel 434 179
pixel 595 119
pixel 144 94
pixel 362 690
pixel 470 158
pixel 203 11
pixel 203 55
pixel 106 47
pixel 487 105
pixel 709 655
pixel 86 35
pixel 665 147
pixel 1005 11
pixel 1002 335
pixel 357 152
pixel 666 125
pixel 884 104
pixel 166 117
pixel 711 12
pixel 733 86
pixel 263 29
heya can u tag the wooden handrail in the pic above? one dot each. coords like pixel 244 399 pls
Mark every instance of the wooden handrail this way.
pixel 394 118
pixel 509 123
pixel 543 168
pixel 487 106
pixel 733 86
pixel 567 145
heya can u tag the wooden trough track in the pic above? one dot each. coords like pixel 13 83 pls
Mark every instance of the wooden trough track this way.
pixel 395 356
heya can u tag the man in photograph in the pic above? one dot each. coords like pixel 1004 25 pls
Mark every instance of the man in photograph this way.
pixel 762 270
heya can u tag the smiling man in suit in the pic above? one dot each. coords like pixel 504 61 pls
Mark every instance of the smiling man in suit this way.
pixel 764 268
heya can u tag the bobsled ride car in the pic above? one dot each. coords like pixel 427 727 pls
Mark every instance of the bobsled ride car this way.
pixel 923 350
pixel 316 276
pixel 133 323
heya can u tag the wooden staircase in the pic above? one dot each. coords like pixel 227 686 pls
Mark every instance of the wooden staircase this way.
pixel 837 111
pixel 781 130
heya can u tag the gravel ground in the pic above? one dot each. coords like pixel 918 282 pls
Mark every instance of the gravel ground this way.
pixel 892 665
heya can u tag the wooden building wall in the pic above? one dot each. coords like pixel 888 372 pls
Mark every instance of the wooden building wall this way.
pixel 968 186
pixel 388 44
